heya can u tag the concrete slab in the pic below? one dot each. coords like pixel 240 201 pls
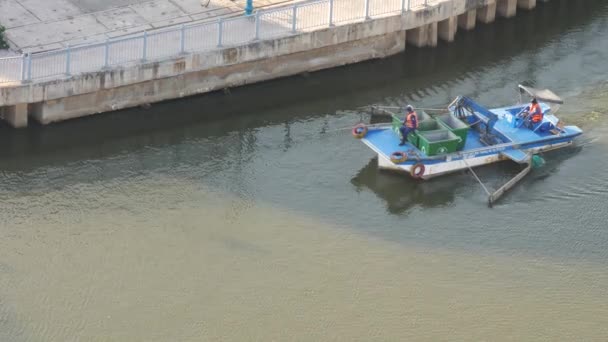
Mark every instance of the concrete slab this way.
pixel 89 6
pixel 96 38
pixel 157 10
pixel 129 31
pixel 211 14
pixel 51 10
pixel 12 14
pixel 190 6
pixel 119 18
pixel 55 32
pixel 169 22
pixel 42 48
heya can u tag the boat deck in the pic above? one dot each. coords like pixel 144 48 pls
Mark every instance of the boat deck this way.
pixel 523 134
pixel 387 142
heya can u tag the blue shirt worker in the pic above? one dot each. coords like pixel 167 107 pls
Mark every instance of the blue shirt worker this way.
pixel 409 125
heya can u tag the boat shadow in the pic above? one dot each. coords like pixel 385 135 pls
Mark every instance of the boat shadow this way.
pixel 402 193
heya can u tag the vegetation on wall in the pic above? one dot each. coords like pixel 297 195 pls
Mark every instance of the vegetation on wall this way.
pixel 3 43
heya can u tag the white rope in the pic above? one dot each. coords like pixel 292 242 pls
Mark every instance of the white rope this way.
pixel 477 178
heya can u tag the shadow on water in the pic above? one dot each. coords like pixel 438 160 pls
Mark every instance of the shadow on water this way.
pixel 401 193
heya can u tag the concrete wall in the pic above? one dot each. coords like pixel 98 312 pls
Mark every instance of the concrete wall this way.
pixel 229 67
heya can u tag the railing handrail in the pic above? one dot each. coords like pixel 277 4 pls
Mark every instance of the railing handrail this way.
pixel 223 35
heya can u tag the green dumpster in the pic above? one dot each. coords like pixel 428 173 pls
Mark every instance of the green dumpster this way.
pixel 437 142
pixel 456 126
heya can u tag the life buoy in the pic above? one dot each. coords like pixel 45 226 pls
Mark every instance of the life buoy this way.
pixel 417 170
pixel 359 131
pixel 398 157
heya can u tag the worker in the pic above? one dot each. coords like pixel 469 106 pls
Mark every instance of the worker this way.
pixel 409 125
pixel 534 114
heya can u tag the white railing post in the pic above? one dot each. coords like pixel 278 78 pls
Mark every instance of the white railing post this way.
pixel 257 24
pixel 409 5
pixel 220 30
pixel 426 2
pixel 331 12
pixel 23 66
pixel 182 40
pixel 403 6
pixel 366 9
pixel 144 54
pixel 29 66
pixel 106 54
pixel 68 59
pixel 294 22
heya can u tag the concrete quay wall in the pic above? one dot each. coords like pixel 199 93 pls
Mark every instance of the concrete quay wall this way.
pixel 198 73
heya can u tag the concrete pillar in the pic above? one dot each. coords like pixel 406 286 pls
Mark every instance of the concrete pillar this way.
pixel 487 13
pixel 446 29
pixel 467 20
pixel 527 4
pixel 422 36
pixel 15 115
pixel 506 8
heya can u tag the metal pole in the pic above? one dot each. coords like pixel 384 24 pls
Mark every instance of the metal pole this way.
pixel 145 48
pixel 106 57
pixel 403 6
pixel 294 22
pixel 331 12
pixel 182 40
pixel 220 30
pixel 257 24
pixel 366 9
pixel 23 66
pixel 29 66
pixel 409 5
pixel 426 2
pixel 68 59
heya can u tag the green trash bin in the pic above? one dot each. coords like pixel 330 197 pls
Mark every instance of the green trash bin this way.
pixel 456 126
pixel 437 142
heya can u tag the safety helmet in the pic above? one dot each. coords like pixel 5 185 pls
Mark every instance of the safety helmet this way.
pixel 409 108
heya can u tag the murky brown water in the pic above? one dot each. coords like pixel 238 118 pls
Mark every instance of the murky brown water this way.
pixel 268 222
pixel 184 262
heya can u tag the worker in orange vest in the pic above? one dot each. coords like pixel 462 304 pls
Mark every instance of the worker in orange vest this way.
pixel 409 125
pixel 535 114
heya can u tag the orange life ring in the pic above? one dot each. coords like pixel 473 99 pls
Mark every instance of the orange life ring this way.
pixel 359 131
pixel 417 170
pixel 398 157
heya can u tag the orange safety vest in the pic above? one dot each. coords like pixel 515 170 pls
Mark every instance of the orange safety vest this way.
pixel 409 122
pixel 536 112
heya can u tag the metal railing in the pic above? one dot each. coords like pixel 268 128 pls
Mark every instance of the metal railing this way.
pixel 156 45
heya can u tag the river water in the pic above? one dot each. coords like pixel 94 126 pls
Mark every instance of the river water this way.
pixel 253 215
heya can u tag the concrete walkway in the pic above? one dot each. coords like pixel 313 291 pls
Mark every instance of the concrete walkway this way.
pixel 237 30
pixel 41 25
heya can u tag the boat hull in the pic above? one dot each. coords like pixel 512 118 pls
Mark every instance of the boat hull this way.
pixel 451 166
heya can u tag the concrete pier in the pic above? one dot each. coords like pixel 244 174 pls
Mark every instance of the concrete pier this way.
pixel 527 4
pixel 71 95
pixel 423 36
pixel 487 14
pixel 467 20
pixel 447 28
pixel 15 115
pixel 506 8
